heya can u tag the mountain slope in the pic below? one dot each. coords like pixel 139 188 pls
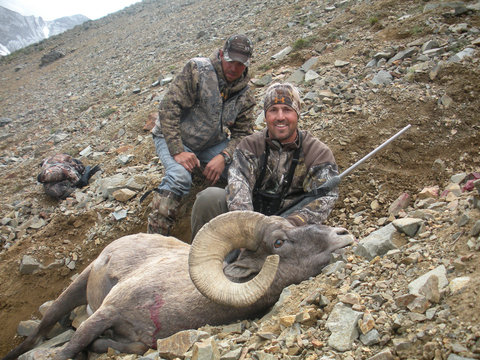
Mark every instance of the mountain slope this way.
pixel 100 94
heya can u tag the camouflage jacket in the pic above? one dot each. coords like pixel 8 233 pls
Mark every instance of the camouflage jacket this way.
pixel 201 106
pixel 316 165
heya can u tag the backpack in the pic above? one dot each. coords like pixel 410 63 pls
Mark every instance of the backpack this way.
pixel 62 174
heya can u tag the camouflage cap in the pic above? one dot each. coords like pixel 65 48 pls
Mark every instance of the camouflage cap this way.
pixel 238 48
pixel 286 94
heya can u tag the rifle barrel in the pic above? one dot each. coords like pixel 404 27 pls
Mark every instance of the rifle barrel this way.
pixel 369 155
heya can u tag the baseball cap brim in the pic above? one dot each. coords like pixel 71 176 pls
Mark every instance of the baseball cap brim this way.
pixel 233 56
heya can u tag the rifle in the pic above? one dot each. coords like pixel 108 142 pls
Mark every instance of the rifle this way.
pixel 331 184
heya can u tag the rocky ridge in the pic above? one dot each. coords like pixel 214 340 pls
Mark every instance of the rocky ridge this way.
pixel 18 31
pixel 361 67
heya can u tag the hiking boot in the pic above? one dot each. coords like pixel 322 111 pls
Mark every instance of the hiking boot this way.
pixel 164 210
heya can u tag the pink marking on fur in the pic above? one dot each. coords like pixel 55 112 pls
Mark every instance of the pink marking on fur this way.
pixel 154 316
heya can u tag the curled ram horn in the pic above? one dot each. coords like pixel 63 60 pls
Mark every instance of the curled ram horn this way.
pixel 222 235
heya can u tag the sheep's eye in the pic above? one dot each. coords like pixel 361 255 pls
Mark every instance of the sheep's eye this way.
pixel 278 243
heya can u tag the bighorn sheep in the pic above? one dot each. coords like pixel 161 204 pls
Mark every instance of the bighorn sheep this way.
pixel 145 287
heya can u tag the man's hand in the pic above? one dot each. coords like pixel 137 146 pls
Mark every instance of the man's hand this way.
pixel 188 160
pixel 214 169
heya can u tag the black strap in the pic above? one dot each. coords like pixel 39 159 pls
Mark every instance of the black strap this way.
pixel 296 156
pixel 148 193
pixel 263 169
pixel 87 174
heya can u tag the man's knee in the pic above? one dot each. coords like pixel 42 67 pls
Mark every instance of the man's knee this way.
pixel 177 179
pixel 210 203
pixel 213 199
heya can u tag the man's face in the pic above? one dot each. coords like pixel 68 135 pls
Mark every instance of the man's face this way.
pixel 282 123
pixel 232 69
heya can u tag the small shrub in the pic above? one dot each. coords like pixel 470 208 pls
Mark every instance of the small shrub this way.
pixel 71 152
pixel 416 30
pixel 266 66
pixel 334 36
pixel 300 44
pixel 373 20
pixel 108 112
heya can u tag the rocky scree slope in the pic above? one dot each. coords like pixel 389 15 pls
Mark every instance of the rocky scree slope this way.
pixel 365 69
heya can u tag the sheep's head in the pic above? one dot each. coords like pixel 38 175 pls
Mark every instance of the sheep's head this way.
pixel 269 244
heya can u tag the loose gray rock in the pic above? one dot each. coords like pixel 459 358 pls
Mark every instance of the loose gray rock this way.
pixel 378 243
pixel 308 64
pixel 408 226
pixel 236 328
pixel 45 348
pixel 311 75
pixel 401 345
pixel 383 355
pixel 29 265
pixel 119 215
pixel 4 121
pixel 342 322
pixel 25 328
pixel 341 63
pixel 166 80
pixel 430 44
pixel 232 355
pixel 86 152
pixel 179 343
pixel 264 356
pixel 407 53
pixel 457 357
pixel 107 186
pixel 461 55
pixel 280 55
pixel 336 267
pixel 296 77
pixel 371 338
pixel 430 289
pixel 458 284
pixel 440 272
pixel 382 78
pixel 475 229
pixel 264 80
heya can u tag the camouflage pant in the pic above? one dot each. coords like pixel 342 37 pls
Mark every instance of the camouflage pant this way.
pixel 164 211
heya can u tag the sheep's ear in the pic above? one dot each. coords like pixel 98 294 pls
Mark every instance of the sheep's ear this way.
pixel 240 272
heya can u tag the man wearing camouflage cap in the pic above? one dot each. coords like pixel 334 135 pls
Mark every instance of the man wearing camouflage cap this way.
pixel 273 167
pixel 207 110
